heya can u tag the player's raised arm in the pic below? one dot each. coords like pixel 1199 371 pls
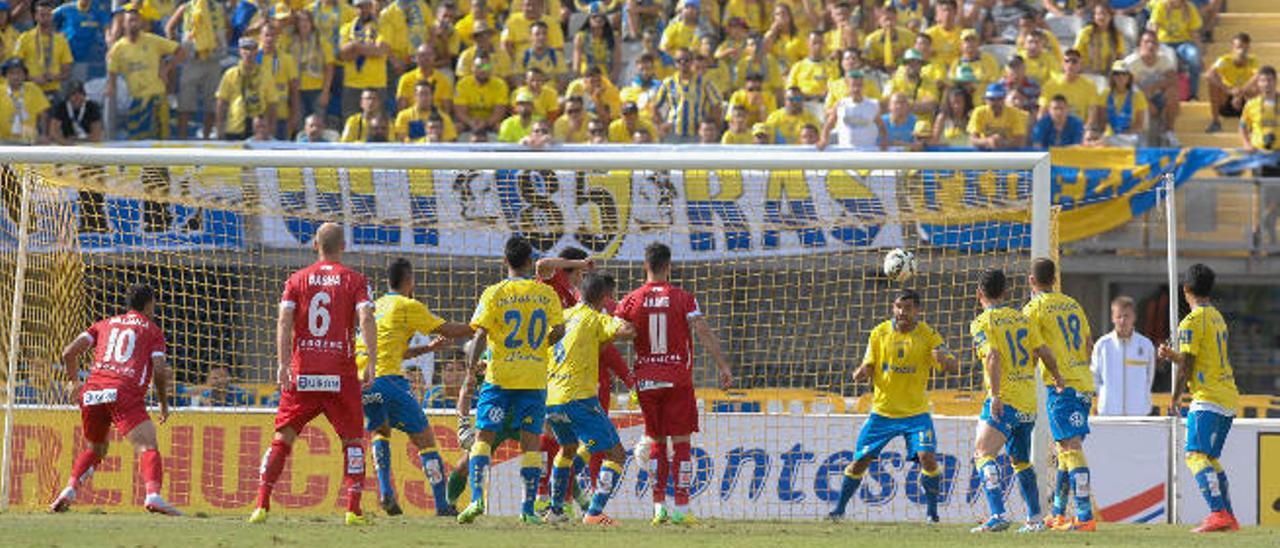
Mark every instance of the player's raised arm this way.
pixel 547 267
pixel 703 330
pixel 284 346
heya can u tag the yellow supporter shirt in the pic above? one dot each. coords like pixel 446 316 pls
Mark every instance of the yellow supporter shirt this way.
pixel 1064 327
pixel 552 62
pixel 1260 118
pixel 732 137
pixel 44 55
pixel 758 109
pixel 441 95
pixel 790 49
pixel 757 15
pixel 1098 53
pixel 881 48
pixel 411 126
pixel 330 20
pixel 545 102
pixel 19 112
pixel 900 364
pixel 946 44
pixel 618 132
pixel 788 126
pixel 283 69
pixel 812 76
pixel 1203 334
pixel 1012 336
pixel 925 90
pixel 1011 122
pixel 608 97
pixel 1041 68
pixel 244 99
pixel 1118 97
pixel 562 131
pixel 512 129
pixel 1233 75
pixel 364 72
pixel 519 35
pixel 480 99
pixel 355 129
pixel 405 25
pixel 678 35
pixel 519 314
pixel 574 370
pixel 312 61
pixel 985 68
pixel 1175 25
pixel 502 65
pixel 139 63
pixel 399 318
pixel 1082 94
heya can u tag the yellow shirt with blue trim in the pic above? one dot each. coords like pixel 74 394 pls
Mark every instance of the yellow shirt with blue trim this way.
pixel 1203 334
pixel 442 86
pixel 1064 328
pixel 1175 25
pixel 812 76
pixel 330 20
pixel 406 25
pixel 1261 117
pixel 787 126
pixel 900 364
pixel 574 370
pixel 518 314
pixel 411 125
pixel 1082 94
pixel 1010 123
pixel 363 72
pixel 21 109
pixel 519 32
pixel 139 63
pixel 1011 334
pixel 399 318
pixel 44 55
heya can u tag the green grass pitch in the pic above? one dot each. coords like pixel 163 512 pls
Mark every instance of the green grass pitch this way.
pixel 86 529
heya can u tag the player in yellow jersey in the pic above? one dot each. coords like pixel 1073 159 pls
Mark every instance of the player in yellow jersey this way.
pixel 403 324
pixel 1006 342
pixel 518 319
pixel 573 405
pixel 901 353
pixel 1064 328
pixel 1203 368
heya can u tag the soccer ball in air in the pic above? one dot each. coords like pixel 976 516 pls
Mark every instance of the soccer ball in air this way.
pixel 900 265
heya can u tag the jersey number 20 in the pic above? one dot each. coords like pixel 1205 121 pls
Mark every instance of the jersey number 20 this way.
pixel 534 334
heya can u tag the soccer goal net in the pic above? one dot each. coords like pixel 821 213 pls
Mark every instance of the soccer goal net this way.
pixel 783 249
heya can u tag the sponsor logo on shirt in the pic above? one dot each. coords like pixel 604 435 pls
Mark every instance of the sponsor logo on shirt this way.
pixel 319 383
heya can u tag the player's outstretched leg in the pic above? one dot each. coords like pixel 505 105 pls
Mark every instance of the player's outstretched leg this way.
pixel 81 471
pixel 1226 493
pixel 849 483
pixel 1211 489
pixel 478 464
pixel 433 469
pixel 457 482
pixel 382 468
pixel 986 465
pixel 931 481
pixel 1026 475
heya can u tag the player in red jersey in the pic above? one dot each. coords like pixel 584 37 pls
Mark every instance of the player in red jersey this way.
pixel 315 334
pixel 564 275
pixel 128 352
pixel 666 317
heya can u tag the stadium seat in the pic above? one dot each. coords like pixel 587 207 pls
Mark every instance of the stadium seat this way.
pixel 1001 52
pixel 1066 28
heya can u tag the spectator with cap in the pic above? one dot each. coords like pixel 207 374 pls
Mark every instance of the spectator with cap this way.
pixel 684 100
pixel 786 121
pixel 363 52
pixel 1100 42
pixel 855 119
pixel 838 87
pixel 75 119
pixel 246 91
pixel 539 135
pixel 480 100
pixel 359 126
pixel 599 95
pixel 517 33
pixel 284 74
pixel 46 53
pixel 410 125
pixel 1124 108
pixel 921 93
pixel 1081 93
pixel 518 125
pixel 739 131
pixel 540 55
pixel 993 126
pixel 1156 75
pixel 945 32
pixel 140 58
pixel 754 100
pixel 885 46
pixel 810 75
pixel 572 126
pixel 22 106
pixel 899 124
pixel 951 126
pixel 594 45
pixel 621 130
pixel 681 32
pixel 1231 81
pixel 314 130
pixel 425 70
pixel 1177 24
pixel 203 25
pixel 762 135
pixel 966 80
pixel 1058 128
pixel 499 61
pixel 84 23
pixel 983 65
pixel 546 102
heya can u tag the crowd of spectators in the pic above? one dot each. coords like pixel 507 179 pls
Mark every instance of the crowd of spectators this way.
pixel 890 73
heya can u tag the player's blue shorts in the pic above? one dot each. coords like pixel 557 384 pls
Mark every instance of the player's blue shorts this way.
pixel 499 408
pixel 878 431
pixel 1068 413
pixel 1207 432
pixel 583 421
pixel 390 401
pixel 1017 427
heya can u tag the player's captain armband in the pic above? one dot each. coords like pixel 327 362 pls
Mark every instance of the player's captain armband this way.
pixel 1184 336
pixel 98 397
pixel 980 339
pixel 319 383
pixel 643 385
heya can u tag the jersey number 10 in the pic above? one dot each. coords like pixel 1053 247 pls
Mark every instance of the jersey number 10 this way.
pixel 120 345
pixel 657 334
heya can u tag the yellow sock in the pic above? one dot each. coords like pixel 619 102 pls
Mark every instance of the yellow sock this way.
pixel 531 459
pixel 562 461
pixel 480 449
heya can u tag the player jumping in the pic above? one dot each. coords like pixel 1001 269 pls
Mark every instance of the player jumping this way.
pixel 1063 326
pixel 390 401
pixel 665 318
pixel 1005 342
pixel 573 408
pixel 1203 368
pixel 519 320
pixel 128 354
pixel 901 353
pixel 317 365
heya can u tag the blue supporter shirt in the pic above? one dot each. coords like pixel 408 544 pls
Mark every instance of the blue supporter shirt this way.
pixel 85 30
pixel 902 134
pixel 1044 135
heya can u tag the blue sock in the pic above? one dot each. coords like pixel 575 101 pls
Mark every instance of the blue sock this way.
pixel 561 474
pixel 1226 496
pixel 848 487
pixel 433 468
pixel 991 485
pixel 1061 492
pixel 478 464
pixel 581 475
pixel 931 484
pixel 530 475
pixel 1030 491
pixel 1210 489
pixel 610 472
pixel 1080 486
pixel 382 464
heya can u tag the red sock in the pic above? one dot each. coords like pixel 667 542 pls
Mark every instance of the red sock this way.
pixel 683 465
pixel 661 469
pixel 272 466
pixel 152 471
pixel 549 448
pixel 596 460
pixel 353 477
pixel 82 470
